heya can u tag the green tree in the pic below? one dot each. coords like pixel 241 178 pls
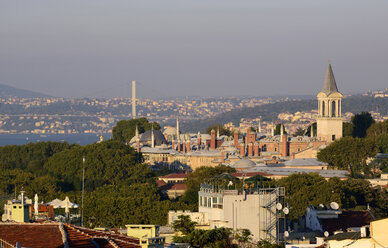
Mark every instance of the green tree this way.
pixel 348 153
pixel 299 132
pixel 361 122
pixel 221 128
pixel 347 129
pixel 184 224
pixel 278 127
pixel 125 130
pixel 267 244
pixel 377 129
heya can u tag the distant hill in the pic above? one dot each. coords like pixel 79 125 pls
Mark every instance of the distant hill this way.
pixel 7 91
pixel 268 112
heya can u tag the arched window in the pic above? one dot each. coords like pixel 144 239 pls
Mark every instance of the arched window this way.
pixel 323 108
pixel 333 112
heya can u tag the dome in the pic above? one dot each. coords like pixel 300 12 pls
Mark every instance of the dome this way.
pixel 244 163
pixel 159 139
pixel 170 131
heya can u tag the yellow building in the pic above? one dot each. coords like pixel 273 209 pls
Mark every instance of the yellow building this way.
pixel 17 210
pixel 147 234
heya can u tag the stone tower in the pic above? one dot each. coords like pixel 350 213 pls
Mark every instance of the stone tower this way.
pixel 329 121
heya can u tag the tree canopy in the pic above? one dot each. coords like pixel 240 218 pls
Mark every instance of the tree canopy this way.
pixel 125 130
pixel 221 128
pixel 361 122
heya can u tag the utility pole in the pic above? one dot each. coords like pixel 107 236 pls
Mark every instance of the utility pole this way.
pixel 83 189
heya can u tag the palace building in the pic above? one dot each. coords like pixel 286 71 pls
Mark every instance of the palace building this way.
pixel 173 148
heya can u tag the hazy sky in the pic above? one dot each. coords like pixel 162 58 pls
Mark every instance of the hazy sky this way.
pixel 93 48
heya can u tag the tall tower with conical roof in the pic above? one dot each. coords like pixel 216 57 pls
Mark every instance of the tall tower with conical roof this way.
pixel 329 121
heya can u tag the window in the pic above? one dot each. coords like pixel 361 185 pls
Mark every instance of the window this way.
pixel 333 137
pixel 333 109
pixel 323 108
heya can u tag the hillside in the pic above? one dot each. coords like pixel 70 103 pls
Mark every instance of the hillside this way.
pixel 7 91
pixel 268 112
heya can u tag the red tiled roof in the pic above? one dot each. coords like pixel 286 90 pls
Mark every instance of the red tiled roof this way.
pixel 178 186
pixel 32 234
pixel 49 235
pixel 160 183
pixel 180 176
pixel 346 220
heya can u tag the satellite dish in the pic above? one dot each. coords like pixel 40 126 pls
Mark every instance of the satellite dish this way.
pixel 326 233
pixel 286 234
pixel 334 205
pixel 286 210
pixel 279 206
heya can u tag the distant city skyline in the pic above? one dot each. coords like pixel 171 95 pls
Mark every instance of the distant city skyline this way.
pixel 192 48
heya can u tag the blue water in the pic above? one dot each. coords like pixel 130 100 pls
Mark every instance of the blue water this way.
pixel 20 139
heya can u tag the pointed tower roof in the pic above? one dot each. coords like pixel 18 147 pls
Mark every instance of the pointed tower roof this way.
pixel 329 85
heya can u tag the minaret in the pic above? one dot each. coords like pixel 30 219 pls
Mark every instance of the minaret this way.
pixel 152 137
pixel 259 126
pixel 273 130
pixel 281 131
pixel 137 132
pixel 177 128
pixel 133 99
pixel 329 121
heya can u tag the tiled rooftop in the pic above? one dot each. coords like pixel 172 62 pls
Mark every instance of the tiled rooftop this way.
pixel 47 235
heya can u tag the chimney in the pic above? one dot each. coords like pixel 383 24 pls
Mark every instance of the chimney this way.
pixel 179 145
pixel 188 145
pixel 218 132
pixel 133 99
pixel 236 139
pixel 281 131
pixel 273 130
pixel 199 139
pixel 250 150
pixel 242 150
pixel 138 144
pixel 259 126
pixel 284 145
pixel 256 149
pixel 223 157
pixel 213 140
pixel 184 146
pixel 173 144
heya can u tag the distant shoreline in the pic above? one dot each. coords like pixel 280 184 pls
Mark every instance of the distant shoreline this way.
pixel 81 139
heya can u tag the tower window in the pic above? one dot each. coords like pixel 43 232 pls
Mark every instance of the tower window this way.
pixel 333 137
pixel 323 108
pixel 333 109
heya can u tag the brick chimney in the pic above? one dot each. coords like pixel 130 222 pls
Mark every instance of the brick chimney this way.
pixel 179 145
pixel 199 139
pixel 236 139
pixel 256 149
pixel 242 150
pixel 250 150
pixel 213 140
pixel 284 145
pixel 188 145
pixel 184 146
pixel 173 144
pixel 223 157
